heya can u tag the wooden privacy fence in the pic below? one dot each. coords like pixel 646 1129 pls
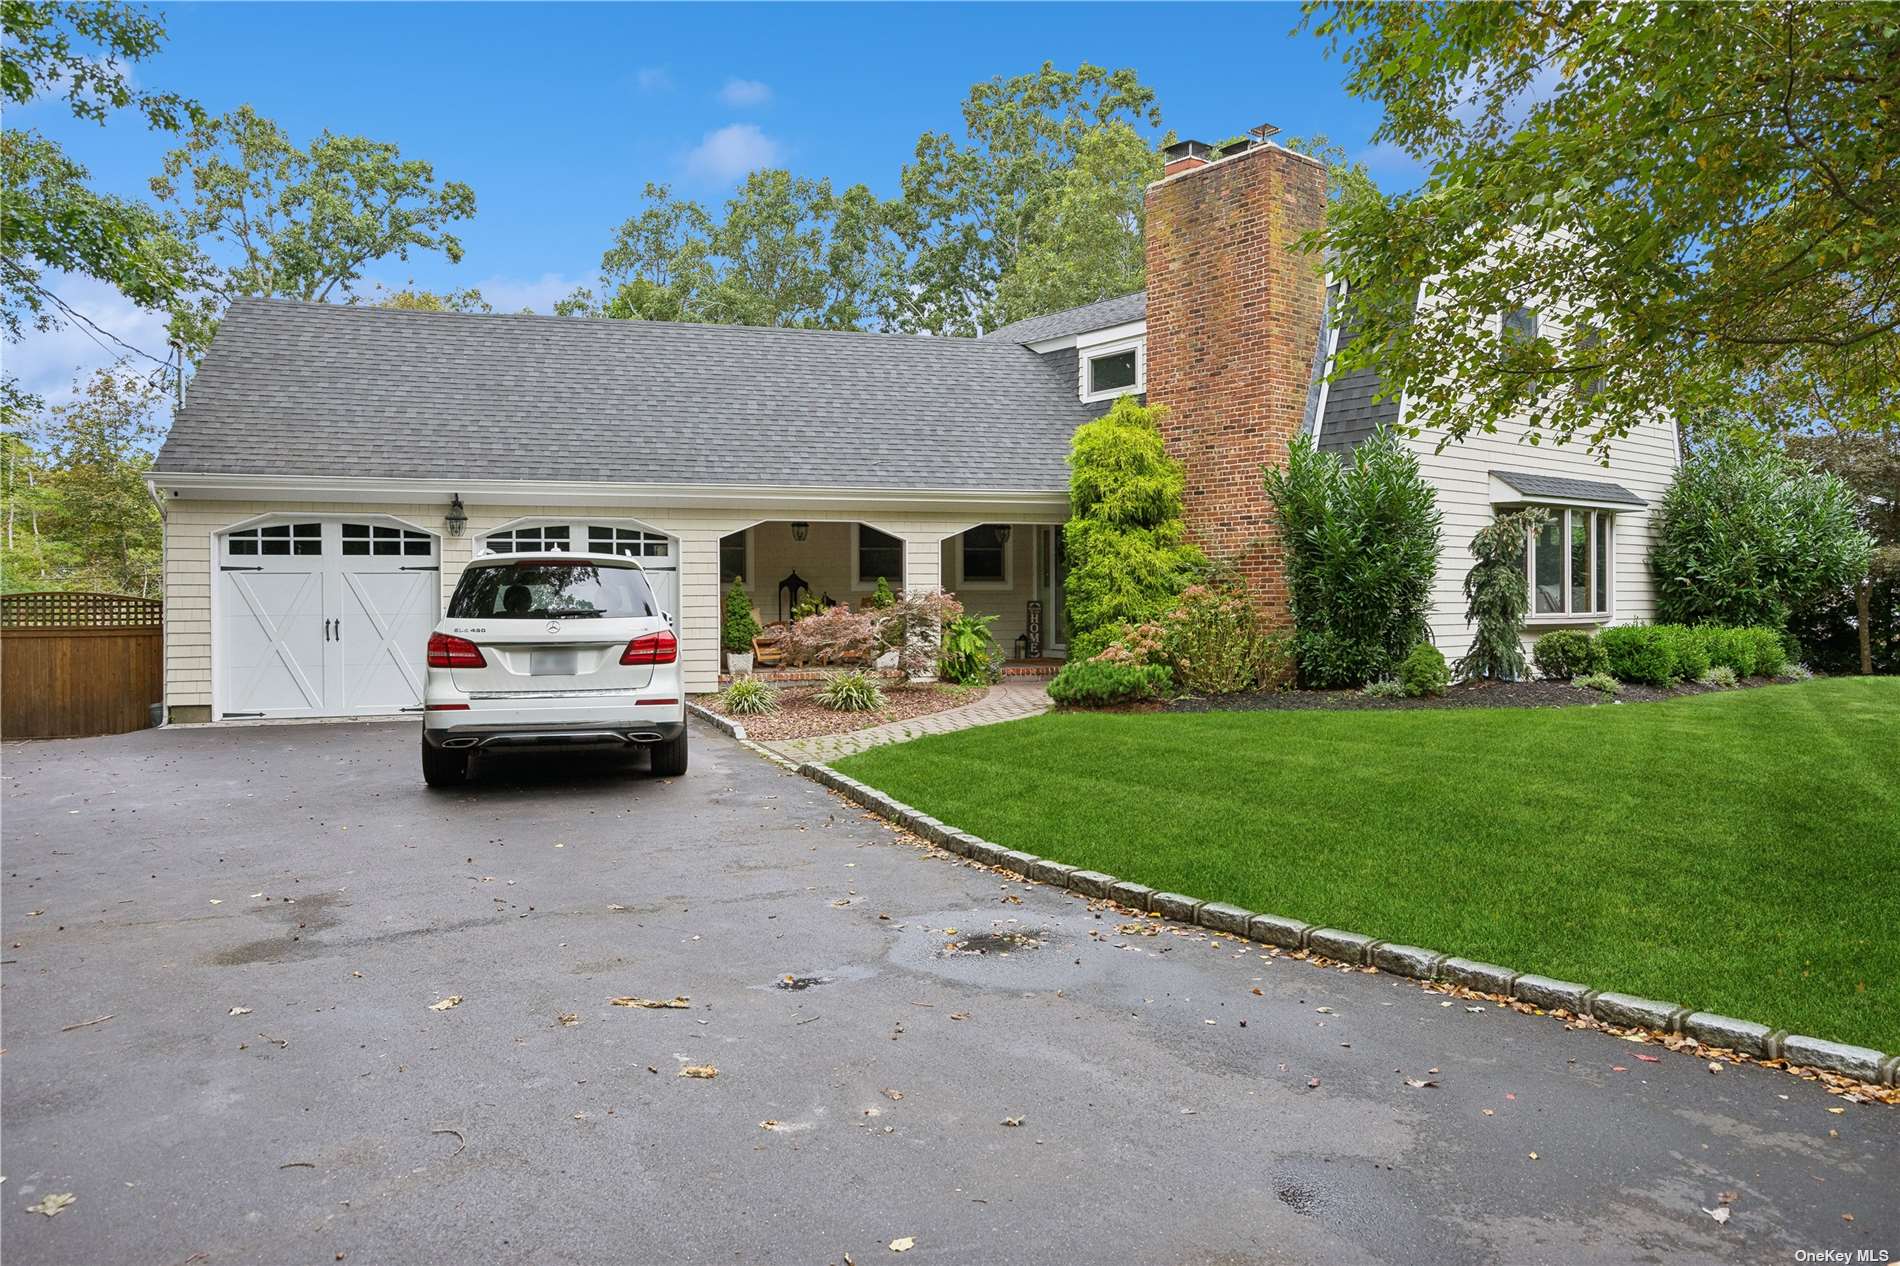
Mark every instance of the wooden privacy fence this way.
pixel 73 664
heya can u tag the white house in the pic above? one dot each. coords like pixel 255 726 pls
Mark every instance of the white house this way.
pixel 335 467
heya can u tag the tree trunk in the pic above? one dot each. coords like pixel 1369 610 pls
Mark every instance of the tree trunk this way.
pixel 1862 593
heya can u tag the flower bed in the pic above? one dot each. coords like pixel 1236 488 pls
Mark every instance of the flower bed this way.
pixel 800 715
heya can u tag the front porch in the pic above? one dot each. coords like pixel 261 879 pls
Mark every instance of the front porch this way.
pixel 1012 571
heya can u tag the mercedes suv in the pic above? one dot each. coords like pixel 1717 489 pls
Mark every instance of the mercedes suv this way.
pixel 551 649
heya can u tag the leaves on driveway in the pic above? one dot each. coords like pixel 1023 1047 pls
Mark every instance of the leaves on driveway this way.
pixel 680 1003
pixel 453 1000
pixel 239 1011
pixel 53 1204
pixel 903 1244
pixel 705 1072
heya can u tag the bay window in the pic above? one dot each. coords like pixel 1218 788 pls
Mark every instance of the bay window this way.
pixel 1568 563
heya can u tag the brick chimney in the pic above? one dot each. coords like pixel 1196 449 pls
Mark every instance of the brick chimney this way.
pixel 1233 323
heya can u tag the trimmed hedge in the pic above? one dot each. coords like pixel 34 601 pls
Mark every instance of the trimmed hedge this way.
pixel 1657 654
pixel 1095 682
pixel 1564 654
pixel 1638 652
pixel 1423 672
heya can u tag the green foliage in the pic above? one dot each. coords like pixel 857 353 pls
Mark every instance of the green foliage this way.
pixel 971 213
pixel 1423 672
pixel 788 252
pixel 1721 676
pixel 266 218
pixel 1708 184
pixel 1746 535
pixel 76 513
pixel 410 299
pixel 808 604
pixel 881 597
pixel 52 221
pixel 1217 643
pixel 969 655
pixel 912 625
pixel 740 625
pixel 1688 651
pixel 1129 557
pixel 1767 653
pixel 851 692
pixel 1099 682
pixel 1361 551
pixel 1602 683
pixel 747 696
pixel 1641 653
pixel 1566 653
pixel 1497 598
pixel 1384 688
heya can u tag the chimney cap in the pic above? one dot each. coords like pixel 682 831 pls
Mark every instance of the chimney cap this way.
pixel 1188 149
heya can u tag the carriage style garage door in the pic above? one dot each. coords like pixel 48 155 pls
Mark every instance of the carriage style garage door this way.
pixel 655 550
pixel 324 618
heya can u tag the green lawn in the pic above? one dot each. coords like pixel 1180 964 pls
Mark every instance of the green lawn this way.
pixel 1736 852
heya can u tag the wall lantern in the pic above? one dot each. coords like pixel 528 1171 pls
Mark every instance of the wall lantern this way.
pixel 800 530
pixel 457 518
pixel 1002 533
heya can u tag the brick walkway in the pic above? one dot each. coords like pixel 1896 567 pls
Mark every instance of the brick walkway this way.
pixel 1005 702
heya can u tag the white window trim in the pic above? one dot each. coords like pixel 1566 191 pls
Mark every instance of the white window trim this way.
pixel 745 532
pixel 577 533
pixel 862 584
pixel 1009 562
pixel 1607 568
pixel 1084 355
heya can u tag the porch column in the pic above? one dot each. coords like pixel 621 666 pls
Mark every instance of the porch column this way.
pixel 700 611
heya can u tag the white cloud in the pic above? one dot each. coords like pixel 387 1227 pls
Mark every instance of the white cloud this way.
pixel 740 93
pixel 512 294
pixel 724 156
pixel 47 362
pixel 653 79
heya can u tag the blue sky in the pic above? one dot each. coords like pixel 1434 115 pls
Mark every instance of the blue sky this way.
pixel 558 115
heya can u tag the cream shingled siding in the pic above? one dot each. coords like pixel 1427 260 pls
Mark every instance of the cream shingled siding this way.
pixel 190 525
pixel 1643 462
pixel 1010 605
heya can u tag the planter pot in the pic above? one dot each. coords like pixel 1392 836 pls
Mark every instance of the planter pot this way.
pixel 739 662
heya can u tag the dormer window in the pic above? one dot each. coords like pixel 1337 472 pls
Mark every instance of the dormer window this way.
pixel 1112 370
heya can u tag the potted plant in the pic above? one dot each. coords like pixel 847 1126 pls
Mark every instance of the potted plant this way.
pixel 740 627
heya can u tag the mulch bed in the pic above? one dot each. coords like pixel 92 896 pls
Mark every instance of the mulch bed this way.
pixel 800 715
pixel 1465 694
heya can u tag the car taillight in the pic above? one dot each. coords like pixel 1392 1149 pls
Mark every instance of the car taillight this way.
pixel 652 648
pixel 454 652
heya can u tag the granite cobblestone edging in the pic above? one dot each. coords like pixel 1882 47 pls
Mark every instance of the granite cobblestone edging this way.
pixel 1626 1010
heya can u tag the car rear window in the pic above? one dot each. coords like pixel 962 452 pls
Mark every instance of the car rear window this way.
pixel 551 591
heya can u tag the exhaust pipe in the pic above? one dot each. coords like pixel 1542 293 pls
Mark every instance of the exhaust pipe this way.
pixel 643 736
pixel 460 742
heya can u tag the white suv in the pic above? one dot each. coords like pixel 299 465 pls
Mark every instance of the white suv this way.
pixel 551 648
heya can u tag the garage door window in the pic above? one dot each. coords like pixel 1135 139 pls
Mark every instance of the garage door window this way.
pixel 277 538
pixel 631 542
pixel 524 539
pixel 366 538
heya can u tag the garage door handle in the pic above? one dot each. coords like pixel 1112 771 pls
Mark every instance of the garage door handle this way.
pixel 421 567
pixel 228 567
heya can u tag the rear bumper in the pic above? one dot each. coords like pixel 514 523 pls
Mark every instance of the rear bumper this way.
pixel 618 733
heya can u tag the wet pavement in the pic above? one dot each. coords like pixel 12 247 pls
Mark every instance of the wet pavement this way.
pixel 274 1084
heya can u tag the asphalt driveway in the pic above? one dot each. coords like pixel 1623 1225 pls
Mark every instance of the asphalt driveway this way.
pixel 1180 1098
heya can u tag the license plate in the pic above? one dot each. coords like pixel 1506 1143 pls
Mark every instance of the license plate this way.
pixel 554 663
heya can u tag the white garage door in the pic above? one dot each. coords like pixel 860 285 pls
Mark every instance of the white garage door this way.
pixel 324 618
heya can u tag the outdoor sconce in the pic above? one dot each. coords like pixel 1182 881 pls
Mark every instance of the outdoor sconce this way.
pixel 457 518
pixel 1002 533
pixel 800 530
pixel 1022 646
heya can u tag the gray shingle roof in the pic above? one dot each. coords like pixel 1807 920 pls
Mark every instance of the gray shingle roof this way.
pixel 320 389
pixel 1090 316
pixel 1568 489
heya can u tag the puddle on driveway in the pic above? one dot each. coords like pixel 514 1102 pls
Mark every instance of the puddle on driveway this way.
pixel 1002 941
pixel 303 917
pixel 796 983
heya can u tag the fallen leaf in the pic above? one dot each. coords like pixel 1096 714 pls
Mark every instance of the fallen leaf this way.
pixel 239 1011
pixel 893 1094
pixel 654 1004
pixel 705 1072
pixel 1845 1217
pixel 52 1204
pixel 217 901
pixel 1488 1112
pixel 1312 1083
pixel 1715 1065
pixel 453 1000
pixel 1837 1111
pixel 1324 1010
pixel 1533 1155
pixel 1728 1197
pixel 617 909
pixel 569 1019
pixel 1618 1068
pixel 1257 993
pixel 1719 1213
pixel 1650 1059
pixel 903 1244
pixel 1012 1121
pixel 1419 1083
pixel 964 1015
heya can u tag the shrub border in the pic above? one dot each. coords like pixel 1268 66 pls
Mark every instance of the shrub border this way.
pixel 1743 1036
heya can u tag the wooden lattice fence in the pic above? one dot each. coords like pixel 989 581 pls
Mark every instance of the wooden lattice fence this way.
pixel 74 664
